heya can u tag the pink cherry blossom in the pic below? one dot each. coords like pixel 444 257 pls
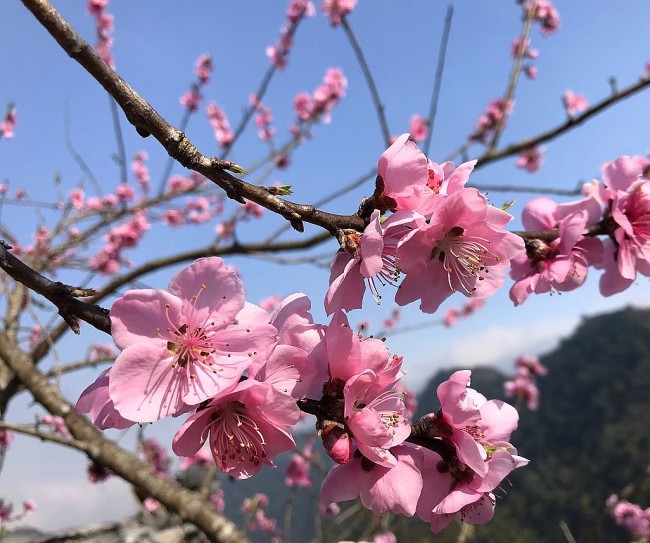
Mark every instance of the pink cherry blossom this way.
pixel 574 103
pixel 451 317
pixel 376 416
pixel 296 11
pixel 528 52
pixel 183 346
pixel 8 126
pixel 370 260
pixel 297 473
pixel 523 388
pixel 530 159
pixel 418 127
pixel 173 217
pixel 463 248
pixel 203 67
pixel 96 402
pixel 336 9
pixel 246 427
pixel 495 113
pixel 219 122
pixel 530 71
pixel 381 489
pixel 192 98
pixel 546 14
pixel 559 265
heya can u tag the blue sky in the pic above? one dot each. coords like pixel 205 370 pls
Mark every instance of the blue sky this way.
pixel 156 45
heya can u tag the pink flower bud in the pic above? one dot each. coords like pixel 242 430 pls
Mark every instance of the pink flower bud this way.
pixel 337 443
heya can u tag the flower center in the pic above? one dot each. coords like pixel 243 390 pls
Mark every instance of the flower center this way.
pixel 235 437
pixel 465 258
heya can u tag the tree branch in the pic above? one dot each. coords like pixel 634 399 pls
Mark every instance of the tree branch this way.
pixel 147 121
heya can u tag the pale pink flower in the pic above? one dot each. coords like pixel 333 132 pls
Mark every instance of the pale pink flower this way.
pixel 532 365
pixel 203 457
pixel 29 505
pixel 530 159
pixel 192 98
pixel 173 217
pixel 217 500
pixel 530 71
pixel 336 9
pixel 381 489
pixel 57 424
pixel 179 184
pixel 140 169
pixel 124 192
pixel 418 127
pixel 463 248
pixel 297 474
pixel 376 416
pixel 219 122
pixel 369 259
pixel 151 505
pixel 574 103
pixel 77 198
pixel 546 14
pixel 96 402
pixel 8 126
pixel 496 112
pixel 560 265
pixel 183 346
pixel 225 230
pixel 528 52
pixel 451 317
pixel 246 427
pixel 524 388
pixel 203 67
pixel 296 11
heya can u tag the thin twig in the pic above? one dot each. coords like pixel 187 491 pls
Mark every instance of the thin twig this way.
pixel 119 140
pixel 379 106
pixel 508 99
pixel 437 83
pixel 76 156
pixel 569 124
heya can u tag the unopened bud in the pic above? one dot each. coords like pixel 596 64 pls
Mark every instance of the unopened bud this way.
pixel 337 443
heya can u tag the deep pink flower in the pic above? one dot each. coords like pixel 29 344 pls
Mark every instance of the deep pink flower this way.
pixel 246 427
pixel 191 99
pixel 463 248
pixel 546 14
pixel 183 346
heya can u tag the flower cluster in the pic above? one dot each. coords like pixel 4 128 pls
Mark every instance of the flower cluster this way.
pixel 467 459
pixel 140 169
pixel 574 103
pixel 619 207
pixel 524 386
pixel 442 236
pixel 496 112
pixel 296 11
pixel 528 68
pixel 241 374
pixel 219 122
pixel 318 106
pixel 104 20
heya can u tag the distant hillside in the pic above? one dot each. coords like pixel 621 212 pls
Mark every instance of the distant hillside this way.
pixel 590 437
